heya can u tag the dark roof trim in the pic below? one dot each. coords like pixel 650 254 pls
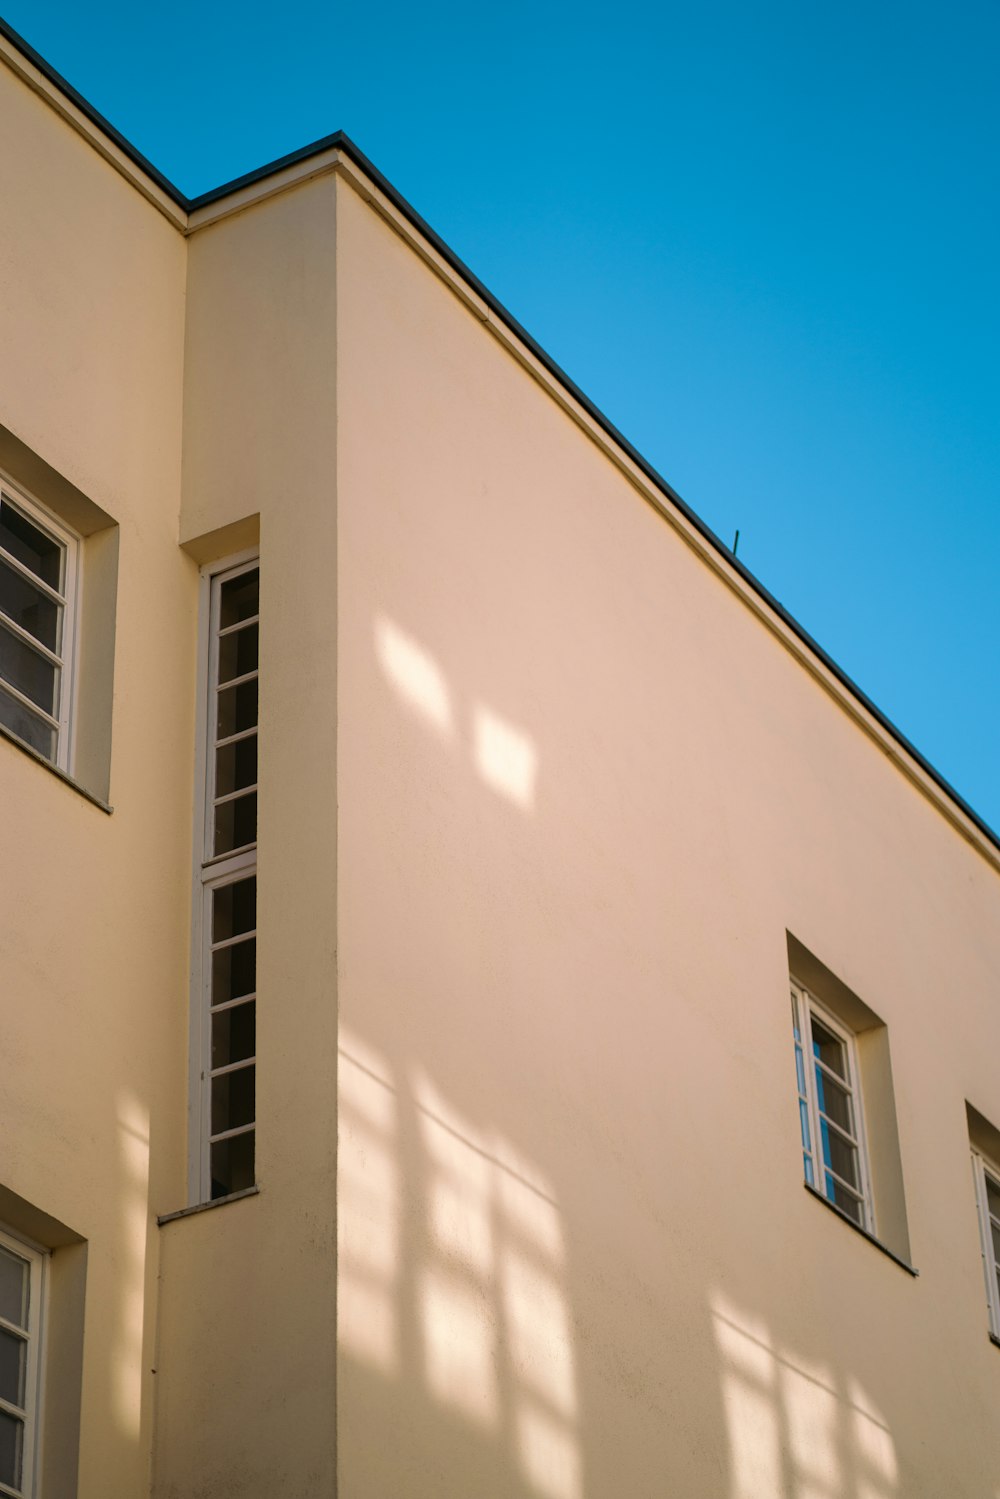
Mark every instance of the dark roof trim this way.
pixel 338 141
pixel 127 149
pixel 341 142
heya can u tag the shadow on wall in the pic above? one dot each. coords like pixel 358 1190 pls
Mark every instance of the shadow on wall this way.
pixel 519 1319
pixel 133 1164
pixel 792 1428
pixel 481 1316
pixel 478 1319
pixel 504 757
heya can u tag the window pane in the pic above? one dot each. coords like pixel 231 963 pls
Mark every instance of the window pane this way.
pixel 233 1100
pixel 834 1101
pixel 29 672
pixel 804 1124
pixel 828 1048
pixel 237 709
pixel 995 1233
pixel 30 545
pixel 238 653
pixel 840 1156
pixel 11 1442
pixel 236 766
pixel 22 722
pixel 13 1359
pixel 234 1034
pixel 800 1071
pixel 234 971
pixel 239 598
pixel 234 909
pixel 232 1165
pixel 993 1196
pixel 236 823
pixel 843 1199
pixel 807 1162
pixel 13 1288
pixel 28 607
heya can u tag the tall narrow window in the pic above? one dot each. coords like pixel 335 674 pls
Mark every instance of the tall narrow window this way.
pixel 826 1070
pixel 38 563
pixel 20 1338
pixel 987 1181
pixel 228 915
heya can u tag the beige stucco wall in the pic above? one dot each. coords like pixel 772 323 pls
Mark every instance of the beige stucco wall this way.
pixel 541 799
pixel 247 1347
pixel 134 345
pixel 94 938
pixel 584 794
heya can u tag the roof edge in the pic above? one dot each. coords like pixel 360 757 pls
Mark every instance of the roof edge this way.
pixel 653 475
pixel 94 116
pixel 339 141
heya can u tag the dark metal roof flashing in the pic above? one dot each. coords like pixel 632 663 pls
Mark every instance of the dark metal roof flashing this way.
pixel 341 142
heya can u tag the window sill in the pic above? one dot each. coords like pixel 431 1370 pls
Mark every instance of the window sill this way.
pixel 60 775
pixel 204 1207
pixel 877 1243
pixel 994 1340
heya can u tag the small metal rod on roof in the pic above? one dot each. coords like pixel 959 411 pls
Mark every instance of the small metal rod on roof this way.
pixel 736 541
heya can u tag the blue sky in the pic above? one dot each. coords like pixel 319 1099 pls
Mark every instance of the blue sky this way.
pixel 762 238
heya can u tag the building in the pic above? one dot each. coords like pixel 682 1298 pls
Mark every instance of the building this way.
pixel 571 847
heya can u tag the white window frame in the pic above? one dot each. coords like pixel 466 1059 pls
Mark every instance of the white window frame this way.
pixel 67 598
pixel 37 1259
pixel 805 1005
pixel 210 872
pixel 983 1167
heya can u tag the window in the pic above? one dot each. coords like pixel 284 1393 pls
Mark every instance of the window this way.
pixel 987 1182
pixel 851 1153
pixel 38 572
pixel 826 1069
pixel 21 1271
pixel 226 914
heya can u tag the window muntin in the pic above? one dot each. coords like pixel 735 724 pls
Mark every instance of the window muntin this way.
pixel 987 1182
pixel 227 916
pixel 830 1121
pixel 232 1038
pixel 20 1331
pixel 38 563
pixel 231 823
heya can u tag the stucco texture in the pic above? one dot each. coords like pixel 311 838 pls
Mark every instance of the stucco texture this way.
pixel 584 795
pixel 548 806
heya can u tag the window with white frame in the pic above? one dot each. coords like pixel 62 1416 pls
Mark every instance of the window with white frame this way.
pixel 225 1010
pixel 21 1275
pixel 38 584
pixel 987 1180
pixel 830 1116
